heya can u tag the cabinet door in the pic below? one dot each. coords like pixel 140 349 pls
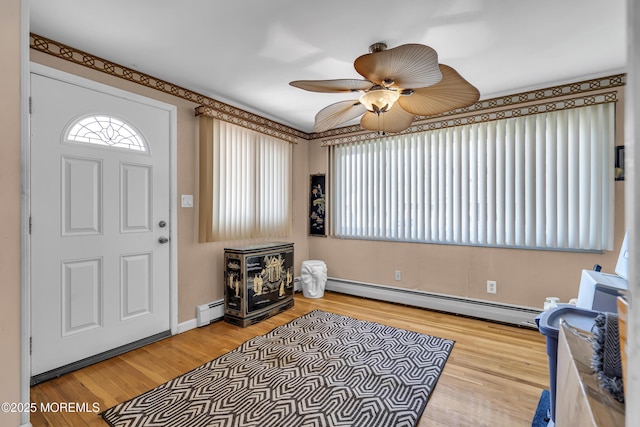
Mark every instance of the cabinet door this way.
pixel 233 284
pixel 269 279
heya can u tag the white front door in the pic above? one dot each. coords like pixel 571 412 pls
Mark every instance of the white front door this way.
pixel 100 183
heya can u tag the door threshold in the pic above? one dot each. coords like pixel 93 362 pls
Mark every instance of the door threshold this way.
pixel 55 373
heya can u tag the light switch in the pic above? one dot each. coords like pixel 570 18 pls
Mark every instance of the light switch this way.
pixel 187 200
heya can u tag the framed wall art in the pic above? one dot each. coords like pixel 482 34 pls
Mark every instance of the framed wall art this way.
pixel 317 206
pixel 619 165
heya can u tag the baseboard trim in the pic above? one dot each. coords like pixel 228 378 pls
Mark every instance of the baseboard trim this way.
pixel 487 310
pixel 187 326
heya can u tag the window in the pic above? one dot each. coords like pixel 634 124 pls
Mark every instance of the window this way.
pixel 536 181
pixel 245 183
pixel 106 131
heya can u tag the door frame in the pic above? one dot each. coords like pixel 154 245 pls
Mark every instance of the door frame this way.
pixel 26 206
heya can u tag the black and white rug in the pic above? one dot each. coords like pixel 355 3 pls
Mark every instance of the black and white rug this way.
pixel 321 369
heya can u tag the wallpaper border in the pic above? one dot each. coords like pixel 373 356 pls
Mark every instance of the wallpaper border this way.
pixel 570 95
pixel 220 109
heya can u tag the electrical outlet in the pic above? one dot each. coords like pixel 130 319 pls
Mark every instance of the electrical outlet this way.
pixel 398 275
pixel 492 287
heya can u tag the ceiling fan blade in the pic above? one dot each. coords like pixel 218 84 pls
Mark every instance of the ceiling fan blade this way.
pixel 452 92
pixel 338 113
pixel 409 66
pixel 338 85
pixel 392 121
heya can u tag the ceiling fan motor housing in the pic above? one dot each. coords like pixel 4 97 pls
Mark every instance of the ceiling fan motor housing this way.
pixel 377 47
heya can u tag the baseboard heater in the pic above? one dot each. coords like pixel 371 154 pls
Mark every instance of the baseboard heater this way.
pixel 505 313
pixel 207 313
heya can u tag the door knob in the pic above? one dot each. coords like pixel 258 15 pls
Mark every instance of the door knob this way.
pixel 163 240
pixel 162 224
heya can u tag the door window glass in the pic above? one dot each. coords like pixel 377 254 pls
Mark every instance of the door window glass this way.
pixel 106 131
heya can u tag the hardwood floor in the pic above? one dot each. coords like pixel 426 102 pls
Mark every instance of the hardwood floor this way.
pixel 494 376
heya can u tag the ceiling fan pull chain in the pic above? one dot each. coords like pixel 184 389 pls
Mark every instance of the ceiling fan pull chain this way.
pixel 380 119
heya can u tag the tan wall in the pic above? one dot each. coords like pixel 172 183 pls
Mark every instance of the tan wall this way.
pixel 200 266
pixel 10 208
pixel 524 277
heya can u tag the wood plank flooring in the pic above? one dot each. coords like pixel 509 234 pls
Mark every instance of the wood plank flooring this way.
pixel 494 376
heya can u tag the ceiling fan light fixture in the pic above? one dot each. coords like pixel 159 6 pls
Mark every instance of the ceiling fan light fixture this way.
pixel 379 100
pixel 399 84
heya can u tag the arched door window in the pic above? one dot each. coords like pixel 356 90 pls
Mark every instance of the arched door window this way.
pixel 106 131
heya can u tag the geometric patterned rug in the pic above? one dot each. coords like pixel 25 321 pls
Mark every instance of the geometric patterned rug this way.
pixel 321 369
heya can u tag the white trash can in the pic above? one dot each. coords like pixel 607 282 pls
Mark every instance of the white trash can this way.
pixel 314 278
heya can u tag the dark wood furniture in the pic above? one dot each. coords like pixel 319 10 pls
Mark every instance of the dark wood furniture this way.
pixel 258 282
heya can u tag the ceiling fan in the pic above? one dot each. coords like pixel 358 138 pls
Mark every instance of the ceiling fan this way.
pixel 401 83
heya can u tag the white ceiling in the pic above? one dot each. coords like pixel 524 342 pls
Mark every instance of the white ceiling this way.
pixel 245 52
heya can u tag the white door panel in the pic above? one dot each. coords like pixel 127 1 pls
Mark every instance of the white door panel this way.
pixel 81 281
pixel 99 275
pixel 135 198
pixel 136 285
pixel 81 188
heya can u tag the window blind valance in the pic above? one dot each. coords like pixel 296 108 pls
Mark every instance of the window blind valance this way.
pixel 492 109
pixel 249 121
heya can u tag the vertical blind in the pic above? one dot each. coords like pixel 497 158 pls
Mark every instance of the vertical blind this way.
pixel 536 181
pixel 245 183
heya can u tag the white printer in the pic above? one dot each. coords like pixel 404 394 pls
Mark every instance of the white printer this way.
pixel 598 291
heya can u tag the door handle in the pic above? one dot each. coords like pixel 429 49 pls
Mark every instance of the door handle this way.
pixel 162 224
pixel 163 240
